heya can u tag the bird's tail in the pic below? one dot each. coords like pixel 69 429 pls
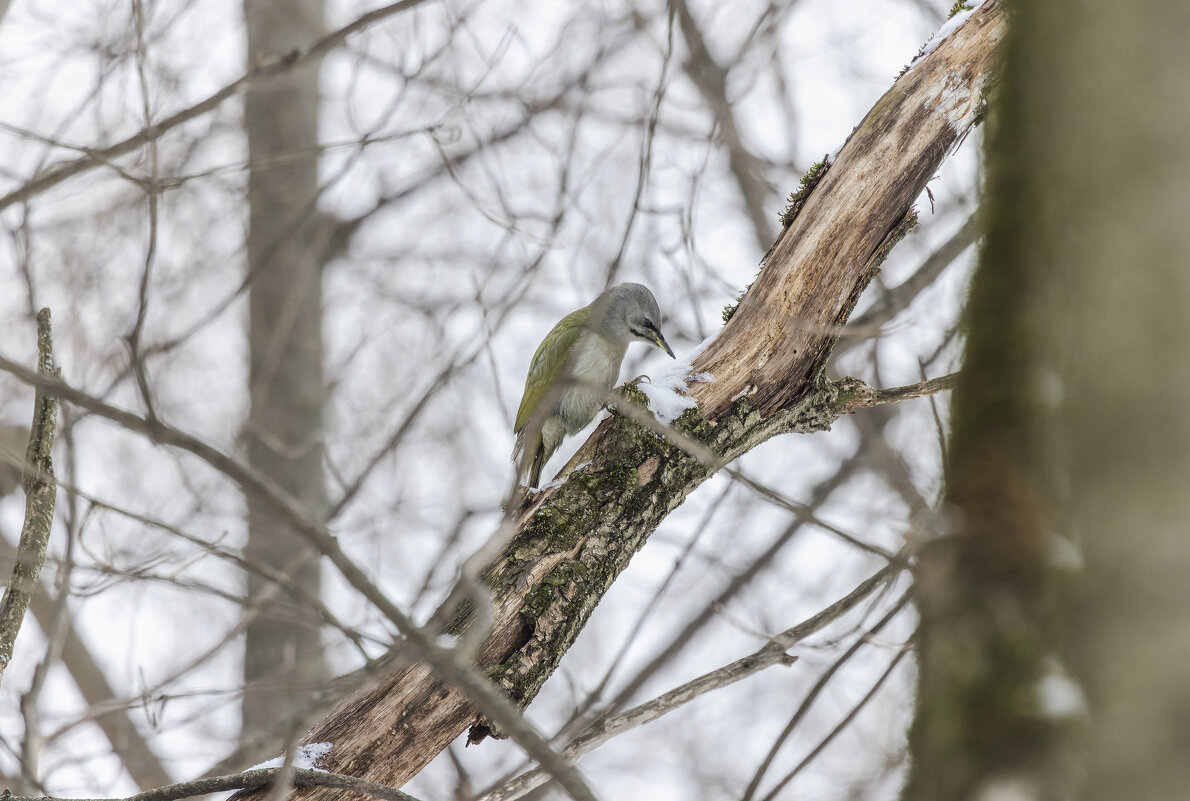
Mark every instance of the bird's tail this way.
pixel 536 466
pixel 528 469
pixel 518 448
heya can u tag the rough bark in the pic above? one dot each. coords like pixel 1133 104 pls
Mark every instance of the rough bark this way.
pixel 41 493
pixel 283 653
pixel 571 542
pixel 780 334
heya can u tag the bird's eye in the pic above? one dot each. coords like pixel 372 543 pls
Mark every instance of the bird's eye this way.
pixel 649 325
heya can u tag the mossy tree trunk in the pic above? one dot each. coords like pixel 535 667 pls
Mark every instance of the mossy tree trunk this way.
pixel 1062 586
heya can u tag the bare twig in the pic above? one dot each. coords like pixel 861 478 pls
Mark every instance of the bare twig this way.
pixel 152 188
pixel 645 163
pixel 816 690
pixel 260 73
pixel 138 758
pixel 40 495
pixel 856 394
pixel 772 653
pixel 843 724
pixel 805 514
pixel 897 299
pixel 449 665
pixel 251 780
pixel 710 77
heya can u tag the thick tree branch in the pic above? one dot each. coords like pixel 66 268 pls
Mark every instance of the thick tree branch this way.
pixel 571 542
pixel 783 329
pixel 896 300
pixel 41 493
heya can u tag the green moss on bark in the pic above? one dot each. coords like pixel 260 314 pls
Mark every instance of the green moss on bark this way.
pixel 599 518
pixel 798 198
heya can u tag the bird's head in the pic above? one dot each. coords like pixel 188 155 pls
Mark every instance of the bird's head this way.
pixel 629 312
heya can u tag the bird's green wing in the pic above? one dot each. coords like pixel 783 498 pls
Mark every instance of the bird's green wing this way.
pixel 549 361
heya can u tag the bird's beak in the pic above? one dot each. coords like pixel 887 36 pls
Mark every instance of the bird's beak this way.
pixel 661 343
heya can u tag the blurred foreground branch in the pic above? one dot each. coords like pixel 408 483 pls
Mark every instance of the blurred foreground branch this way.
pixel 1053 647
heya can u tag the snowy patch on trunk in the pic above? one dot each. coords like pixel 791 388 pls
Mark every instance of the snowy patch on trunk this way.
pixel 950 27
pixel 669 394
pixel 307 757
pixel 557 482
pixel 957 103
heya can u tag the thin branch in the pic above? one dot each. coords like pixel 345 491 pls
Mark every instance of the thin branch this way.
pixel 897 299
pixel 449 664
pixel 138 758
pixel 856 394
pixel 281 577
pixel 261 73
pixel 136 357
pixel 805 514
pixel 819 685
pixel 645 161
pixel 40 496
pixel 772 653
pixel 249 780
pixel 843 724
pixel 710 78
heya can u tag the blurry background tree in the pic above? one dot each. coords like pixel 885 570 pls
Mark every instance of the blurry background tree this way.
pixel 287 252
pixel 1054 633
pixel 459 175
